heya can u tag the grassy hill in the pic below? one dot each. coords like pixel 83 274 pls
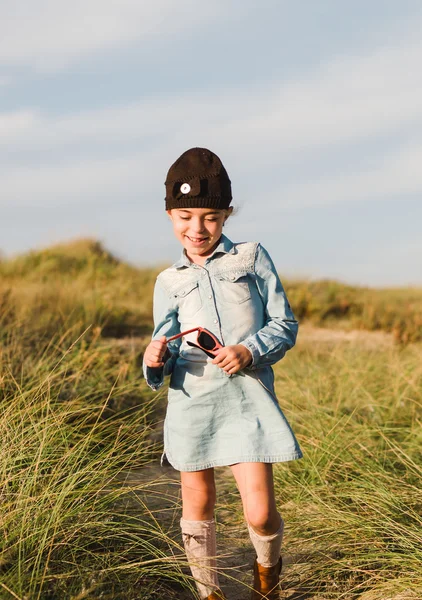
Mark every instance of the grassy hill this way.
pixel 81 283
pixel 76 418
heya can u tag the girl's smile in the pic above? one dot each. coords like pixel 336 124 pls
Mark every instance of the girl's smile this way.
pixel 197 241
pixel 198 230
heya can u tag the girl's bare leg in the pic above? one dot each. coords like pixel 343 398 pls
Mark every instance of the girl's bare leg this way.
pixel 256 487
pixel 198 528
pixel 198 494
pixel 265 525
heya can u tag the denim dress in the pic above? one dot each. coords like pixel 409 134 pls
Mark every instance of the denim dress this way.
pixel 214 418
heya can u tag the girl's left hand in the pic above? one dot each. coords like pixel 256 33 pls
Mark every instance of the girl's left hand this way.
pixel 232 358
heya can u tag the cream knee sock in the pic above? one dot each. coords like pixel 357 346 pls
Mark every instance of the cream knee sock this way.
pixel 267 547
pixel 200 545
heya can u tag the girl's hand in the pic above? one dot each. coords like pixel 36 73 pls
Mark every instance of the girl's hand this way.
pixel 154 352
pixel 232 358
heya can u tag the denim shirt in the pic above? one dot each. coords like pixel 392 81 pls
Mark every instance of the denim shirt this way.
pixel 237 295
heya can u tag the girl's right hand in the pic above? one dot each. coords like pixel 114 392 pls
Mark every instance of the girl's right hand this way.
pixel 154 352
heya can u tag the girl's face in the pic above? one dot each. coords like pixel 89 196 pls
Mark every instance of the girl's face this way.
pixel 198 229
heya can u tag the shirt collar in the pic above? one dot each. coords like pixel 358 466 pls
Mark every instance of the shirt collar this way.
pixel 225 246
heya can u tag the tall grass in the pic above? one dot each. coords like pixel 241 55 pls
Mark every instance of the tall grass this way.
pixel 83 282
pixel 76 418
pixel 333 304
pixel 353 504
pixel 72 424
pixel 75 286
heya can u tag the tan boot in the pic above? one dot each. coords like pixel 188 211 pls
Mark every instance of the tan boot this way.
pixel 216 595
pixel 266 581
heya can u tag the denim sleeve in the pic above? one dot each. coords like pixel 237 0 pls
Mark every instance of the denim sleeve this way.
pixel 165 323
pixel 271 342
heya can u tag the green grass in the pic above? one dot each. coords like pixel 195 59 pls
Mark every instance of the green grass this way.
pixel 81 282
pixel 72 424
pixel 332 304
pixel 353 504
pixel 76 418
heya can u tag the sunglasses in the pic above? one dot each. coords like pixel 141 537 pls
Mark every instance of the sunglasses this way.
pixel 205 340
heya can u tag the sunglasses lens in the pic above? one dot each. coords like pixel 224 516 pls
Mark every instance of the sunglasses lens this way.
pixel 206 340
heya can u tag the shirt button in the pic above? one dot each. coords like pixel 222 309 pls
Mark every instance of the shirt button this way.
pixel 215 320
pixel 210 296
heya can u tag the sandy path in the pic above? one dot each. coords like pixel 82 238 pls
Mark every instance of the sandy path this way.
pixel 234 548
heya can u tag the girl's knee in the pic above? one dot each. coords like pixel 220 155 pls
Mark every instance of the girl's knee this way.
pixel 263 520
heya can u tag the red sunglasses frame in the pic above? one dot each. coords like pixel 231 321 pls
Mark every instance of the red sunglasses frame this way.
pixel 210 353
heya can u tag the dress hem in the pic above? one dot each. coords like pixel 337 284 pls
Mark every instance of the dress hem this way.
pixel 225 462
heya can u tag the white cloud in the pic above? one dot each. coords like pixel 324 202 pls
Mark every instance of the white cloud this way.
pixel 350 99
pixel 14 126
pixel 49 34
pixel 4 80
pixel 84 181
pixel 399 173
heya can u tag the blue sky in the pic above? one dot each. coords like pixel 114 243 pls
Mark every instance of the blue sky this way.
pixel 315 109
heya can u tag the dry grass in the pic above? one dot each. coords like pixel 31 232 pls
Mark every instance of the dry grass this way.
pixel 75 417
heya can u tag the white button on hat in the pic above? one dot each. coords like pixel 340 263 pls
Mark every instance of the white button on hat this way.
pixel 185 188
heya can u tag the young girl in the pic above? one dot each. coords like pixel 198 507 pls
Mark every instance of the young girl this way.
pixel 222 409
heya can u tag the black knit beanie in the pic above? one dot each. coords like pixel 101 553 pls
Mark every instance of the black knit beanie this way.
pixel 198 179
